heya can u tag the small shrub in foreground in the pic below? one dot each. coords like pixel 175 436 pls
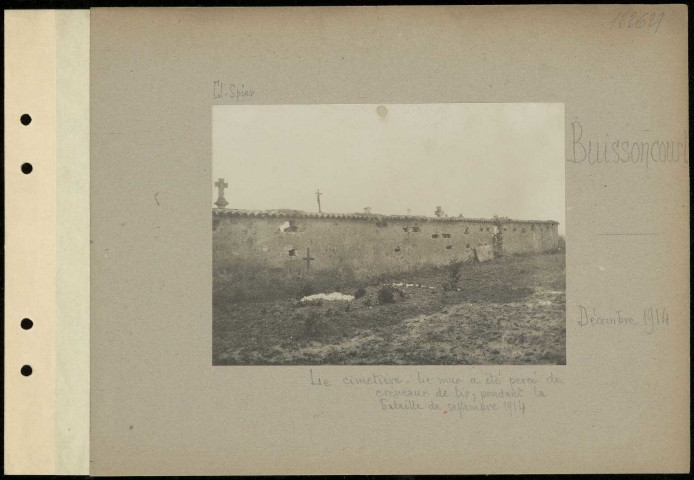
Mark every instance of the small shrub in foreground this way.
pixel 360 292
pixel 306 290
pixel 386 295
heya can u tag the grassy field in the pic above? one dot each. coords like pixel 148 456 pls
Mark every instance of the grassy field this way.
pixel 508 311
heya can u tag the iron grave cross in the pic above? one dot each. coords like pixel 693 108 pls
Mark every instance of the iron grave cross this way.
pixel 221 185
pixel 308 258
pixel 318 194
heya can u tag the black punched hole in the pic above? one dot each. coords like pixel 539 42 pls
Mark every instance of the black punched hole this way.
pixel 26 324
pixel 25 119
pixel 27 168
pixel 26 370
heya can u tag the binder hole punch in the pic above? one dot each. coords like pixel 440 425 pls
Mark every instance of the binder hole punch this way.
pixel 25 119
pixel 26 323
pixel 27 168
pixel 26 370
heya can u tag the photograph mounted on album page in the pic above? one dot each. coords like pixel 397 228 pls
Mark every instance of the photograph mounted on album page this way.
pixel 347 240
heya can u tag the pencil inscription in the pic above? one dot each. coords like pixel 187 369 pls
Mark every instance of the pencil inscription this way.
pixel 453 394
pixel 590 317
pixel 653 318
pixel 625 151
pixel 633 20
pixel 234 91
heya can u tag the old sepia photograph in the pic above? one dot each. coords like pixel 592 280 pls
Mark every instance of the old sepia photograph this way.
pixel 394 234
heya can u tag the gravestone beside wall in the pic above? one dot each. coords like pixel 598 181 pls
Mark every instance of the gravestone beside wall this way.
pixel 484 253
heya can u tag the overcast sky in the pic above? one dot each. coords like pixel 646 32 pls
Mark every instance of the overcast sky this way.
pixel 479 159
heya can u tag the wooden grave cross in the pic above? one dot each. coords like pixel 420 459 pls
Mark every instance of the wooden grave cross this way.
pixel 308 258
pixel 318 194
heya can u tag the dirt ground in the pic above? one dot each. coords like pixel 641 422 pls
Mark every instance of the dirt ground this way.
pixel 509 311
